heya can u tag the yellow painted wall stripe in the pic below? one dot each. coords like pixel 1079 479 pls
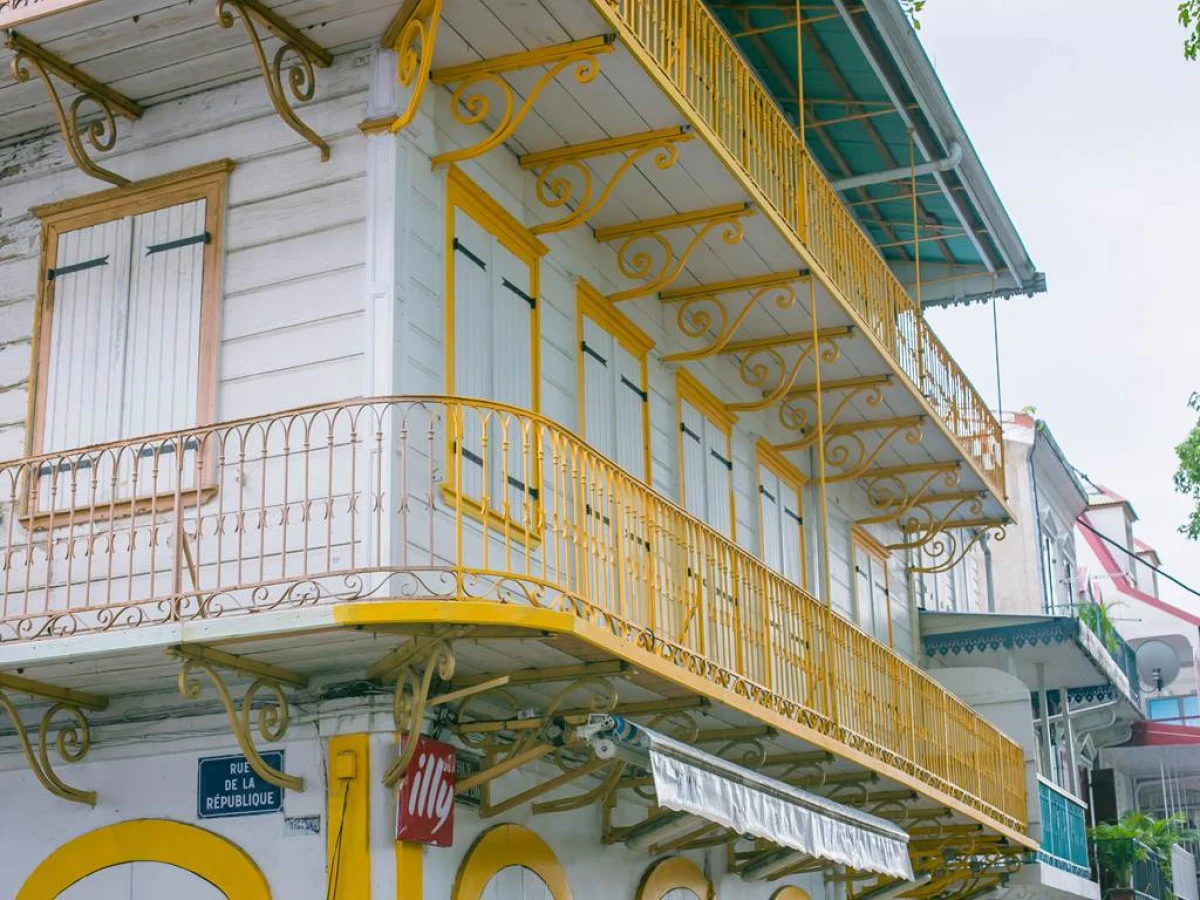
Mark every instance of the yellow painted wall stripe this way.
pixel 410 871
pixel 348 835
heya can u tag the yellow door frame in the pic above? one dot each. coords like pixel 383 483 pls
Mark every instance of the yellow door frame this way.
pixel 503 846
pixel 220 862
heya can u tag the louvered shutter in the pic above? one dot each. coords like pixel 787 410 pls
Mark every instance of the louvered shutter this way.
pixel 598 399
pixel 719 468
pixel 691 439
pixel 472 340
pixel 630 401
pixel 769 502
pixel 512 367
pixel 162 343
pixel 791 526
pixel 84 379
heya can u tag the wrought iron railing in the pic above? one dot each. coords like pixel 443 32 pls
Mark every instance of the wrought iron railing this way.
pixel 682 43
pixel 447 499
pixel 1064 830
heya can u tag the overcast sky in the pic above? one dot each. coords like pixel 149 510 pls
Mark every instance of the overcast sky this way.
pixel 1087 118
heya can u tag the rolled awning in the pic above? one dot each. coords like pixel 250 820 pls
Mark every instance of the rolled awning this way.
pixel 690 781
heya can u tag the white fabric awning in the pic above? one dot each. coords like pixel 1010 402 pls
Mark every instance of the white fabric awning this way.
pixel 690 781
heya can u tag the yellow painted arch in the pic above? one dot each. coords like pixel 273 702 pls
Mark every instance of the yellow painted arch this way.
pixel 501 847
pixel 209 856
pixel 670 874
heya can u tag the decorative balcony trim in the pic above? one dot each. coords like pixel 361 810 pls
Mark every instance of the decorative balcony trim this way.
pixel 301 77
pixel 71 739
pixel 101 133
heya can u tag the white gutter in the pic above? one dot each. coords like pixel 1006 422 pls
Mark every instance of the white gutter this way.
pixel 901 172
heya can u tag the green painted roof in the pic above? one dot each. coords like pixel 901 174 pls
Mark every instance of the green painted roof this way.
pixel 840 82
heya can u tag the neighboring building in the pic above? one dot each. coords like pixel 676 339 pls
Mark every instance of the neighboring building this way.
pixel 519 376
pixel 1038 661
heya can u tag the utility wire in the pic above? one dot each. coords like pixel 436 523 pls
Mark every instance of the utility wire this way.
pixel 1134 556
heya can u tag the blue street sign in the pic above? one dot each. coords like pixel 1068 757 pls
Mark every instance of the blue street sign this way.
pixel 227 786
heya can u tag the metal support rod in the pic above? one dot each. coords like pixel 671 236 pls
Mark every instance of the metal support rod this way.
pixel 1044 709
pixel 1072 773
pixel 826 593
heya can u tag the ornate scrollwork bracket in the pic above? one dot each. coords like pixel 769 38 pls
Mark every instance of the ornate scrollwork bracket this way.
pixel 470 105
pixel 566 181
pixel 100 132
pixel 946 547
pixel 849 451
pixel 71 739
pixel 645 252
pixel 273 716
pixel 763 365
pixel 798 411
pixel 702 311
pixel 893 498
pixel 301 79
pixel 414 45
pixel 414 680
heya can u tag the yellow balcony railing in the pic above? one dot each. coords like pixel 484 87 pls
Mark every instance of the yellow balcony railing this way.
pixel 683 45
pixel 445 499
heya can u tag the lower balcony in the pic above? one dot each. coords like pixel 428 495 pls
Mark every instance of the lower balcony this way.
pixel 245 527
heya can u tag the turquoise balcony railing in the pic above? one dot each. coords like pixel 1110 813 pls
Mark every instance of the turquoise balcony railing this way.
pixel 1064 830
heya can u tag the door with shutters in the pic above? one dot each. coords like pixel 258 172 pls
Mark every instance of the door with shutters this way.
pixel 493 337
pixel 614 421
pixel 781 544
pixel 126 343
pixel 713 615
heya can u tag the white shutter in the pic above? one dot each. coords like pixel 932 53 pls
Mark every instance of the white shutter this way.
pixel 630 395
pixel 791 524
pixel 691 439
pixel 769 502
pixel 598 399
pixel 719 481
pixel 472 339
pixel 162 356
pixel 512 367
pixel 84 380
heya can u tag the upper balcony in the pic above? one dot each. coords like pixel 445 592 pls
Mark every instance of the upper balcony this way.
pixel 740 236
pixel 372 512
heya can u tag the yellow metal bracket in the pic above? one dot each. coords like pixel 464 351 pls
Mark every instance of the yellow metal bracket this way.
pixel 892 497
pixel 848 450
pixel 301 79
pixel 799 410
pixel 414 37
pixel 764 366
pixel 644 251
pixel 702 309
pixel 470 105
pixel 565 181
pixel 273 716
pixel 946 547
pixel 102 132
pixel 71 739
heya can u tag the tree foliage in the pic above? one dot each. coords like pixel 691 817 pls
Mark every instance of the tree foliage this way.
pixel 1189 18
pixel 1187 476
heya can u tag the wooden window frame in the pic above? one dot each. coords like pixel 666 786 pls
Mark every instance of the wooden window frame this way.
pixel 464 193
pixel 862 542
pixel 590 303
pixel 208 182
pixel 688 388
pixel 767 457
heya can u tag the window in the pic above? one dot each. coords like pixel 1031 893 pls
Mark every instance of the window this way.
pixel 706 455
pixel 781 514
pixel 614 407
pixel 492 350
pixel 872 600
pixel 1177 710
pixel 129 300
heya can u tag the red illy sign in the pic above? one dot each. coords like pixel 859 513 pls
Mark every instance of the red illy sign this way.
pixel 425 803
